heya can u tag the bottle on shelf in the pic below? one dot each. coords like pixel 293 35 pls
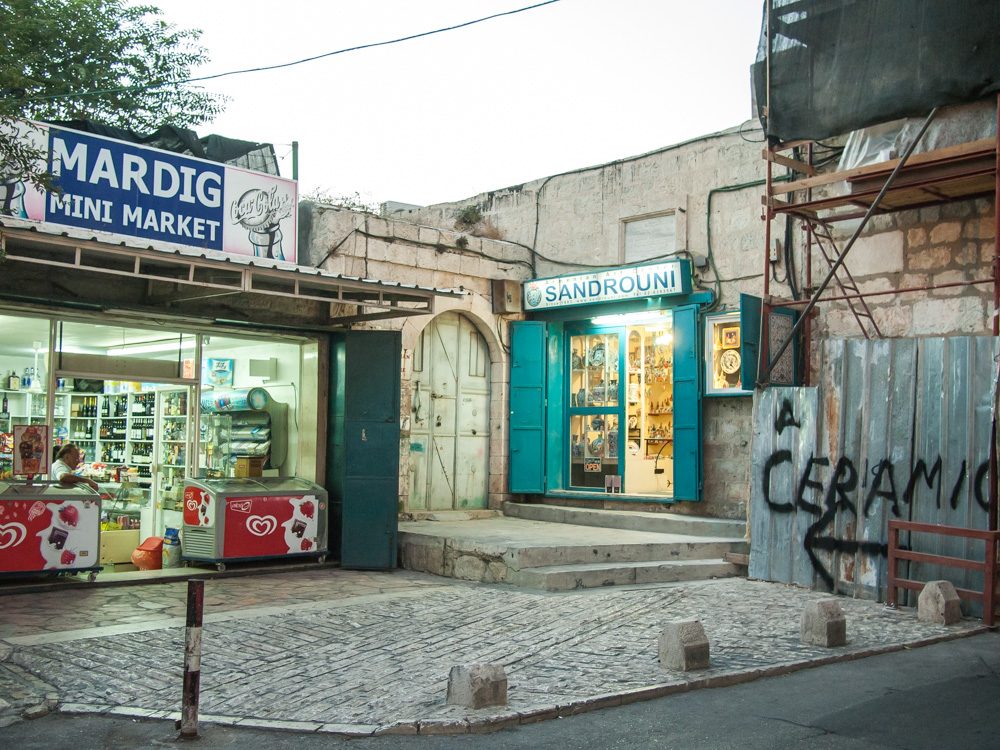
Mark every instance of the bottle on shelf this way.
pixel 5 411
pixel 13 381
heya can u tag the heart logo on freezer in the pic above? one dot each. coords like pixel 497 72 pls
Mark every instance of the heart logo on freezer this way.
pixel 261 525
pixel 12 534
pixel 192 505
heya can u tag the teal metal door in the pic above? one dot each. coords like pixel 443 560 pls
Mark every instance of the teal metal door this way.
pixel 364 446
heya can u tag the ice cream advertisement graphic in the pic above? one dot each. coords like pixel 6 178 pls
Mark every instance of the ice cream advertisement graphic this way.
pixel 53 535
pixel 261 526
pixel 300 529
pixel 12 534
pixel 198 508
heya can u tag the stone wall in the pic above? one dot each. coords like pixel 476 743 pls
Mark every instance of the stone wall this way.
pixel 575 221
pixel 931 246
pixel 358 244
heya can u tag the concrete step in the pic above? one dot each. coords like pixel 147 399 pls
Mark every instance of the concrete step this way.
pixel 570 577
pixel 670 548
pixel 664 523
pixel 506 550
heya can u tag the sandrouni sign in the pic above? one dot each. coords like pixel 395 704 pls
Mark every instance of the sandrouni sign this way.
pixel 634 282
pixel 132 191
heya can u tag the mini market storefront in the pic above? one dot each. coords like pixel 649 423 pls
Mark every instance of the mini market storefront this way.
pixel 607 382
pixel 167 359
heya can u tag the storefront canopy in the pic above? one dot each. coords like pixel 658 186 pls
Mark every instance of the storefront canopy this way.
pixel 80 272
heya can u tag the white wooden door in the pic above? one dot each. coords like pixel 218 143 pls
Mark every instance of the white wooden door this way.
pixel 450 417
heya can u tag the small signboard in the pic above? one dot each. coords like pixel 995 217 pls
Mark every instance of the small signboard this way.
pixel 32 453
pixel 592 465
pixel 632 282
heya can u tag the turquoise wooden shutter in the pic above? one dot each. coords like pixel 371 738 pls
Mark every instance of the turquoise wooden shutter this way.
pixel 527 407
pixel 750 342
pixel 687 405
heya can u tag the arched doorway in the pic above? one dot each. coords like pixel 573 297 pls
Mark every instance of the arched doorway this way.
pixel 450 410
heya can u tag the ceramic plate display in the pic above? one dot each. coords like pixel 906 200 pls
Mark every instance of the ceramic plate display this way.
pixel 596 446
pixel 595 358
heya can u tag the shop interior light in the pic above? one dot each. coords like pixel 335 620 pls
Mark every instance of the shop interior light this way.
pixel 633 319
pixel 664 339
pixel 150 347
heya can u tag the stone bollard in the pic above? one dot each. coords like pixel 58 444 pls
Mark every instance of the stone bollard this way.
pixel 477 685
pixel 684 646
pixel 824 624
pixel 938 602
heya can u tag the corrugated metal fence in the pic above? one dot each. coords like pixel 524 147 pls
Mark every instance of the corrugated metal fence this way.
pixel 896 428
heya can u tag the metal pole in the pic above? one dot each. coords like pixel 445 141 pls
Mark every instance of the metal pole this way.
pixel 771 360
pixel 994 470
pixel 192 659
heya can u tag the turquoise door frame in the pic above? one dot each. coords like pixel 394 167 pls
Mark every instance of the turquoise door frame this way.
pixel 539 417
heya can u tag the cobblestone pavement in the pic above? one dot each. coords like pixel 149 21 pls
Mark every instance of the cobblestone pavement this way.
pixel 358 653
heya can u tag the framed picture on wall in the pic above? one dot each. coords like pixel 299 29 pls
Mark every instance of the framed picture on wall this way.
pixel 730 336
pixel 219 372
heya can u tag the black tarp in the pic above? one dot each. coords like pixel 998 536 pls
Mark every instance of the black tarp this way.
pixel 247 154
pixel 840 65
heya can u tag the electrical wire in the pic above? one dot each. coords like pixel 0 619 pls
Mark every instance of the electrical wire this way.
pixel 410 37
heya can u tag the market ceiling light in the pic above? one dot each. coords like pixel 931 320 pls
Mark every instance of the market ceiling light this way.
pixel 664 339
pixel 150 347
pixel 633 319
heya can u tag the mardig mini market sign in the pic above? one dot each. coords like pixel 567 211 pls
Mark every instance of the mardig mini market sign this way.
pixel 635 282
pixel 126 190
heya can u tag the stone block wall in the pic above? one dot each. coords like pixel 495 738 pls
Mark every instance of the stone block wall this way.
pixel 936 246
pixel 362 245
pixel 727 428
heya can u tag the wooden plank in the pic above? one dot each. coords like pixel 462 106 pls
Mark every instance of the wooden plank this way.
pixel 972 149
pixel 737 558
pixel 794 164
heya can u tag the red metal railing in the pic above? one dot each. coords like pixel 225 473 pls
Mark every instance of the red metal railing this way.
pixel 988 567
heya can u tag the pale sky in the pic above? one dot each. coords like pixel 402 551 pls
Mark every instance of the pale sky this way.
pixel 567 85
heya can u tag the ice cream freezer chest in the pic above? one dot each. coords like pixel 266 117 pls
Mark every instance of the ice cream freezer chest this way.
pixel 253 519
pixel 49 528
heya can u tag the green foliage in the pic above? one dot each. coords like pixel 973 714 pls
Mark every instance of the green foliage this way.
pixel 468 216
pixel 101 60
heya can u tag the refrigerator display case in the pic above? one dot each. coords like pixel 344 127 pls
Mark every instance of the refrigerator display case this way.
pixel 49 528
pixel 253 519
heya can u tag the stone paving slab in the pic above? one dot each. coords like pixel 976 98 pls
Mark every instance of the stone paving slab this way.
pixel 366 653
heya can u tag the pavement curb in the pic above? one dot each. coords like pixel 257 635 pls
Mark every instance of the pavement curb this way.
pixel 66 583
pixel 498 721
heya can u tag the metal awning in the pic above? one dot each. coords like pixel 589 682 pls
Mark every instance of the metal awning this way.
pixel 174 277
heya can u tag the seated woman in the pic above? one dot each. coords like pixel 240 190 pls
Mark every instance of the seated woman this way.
pixel 67 461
